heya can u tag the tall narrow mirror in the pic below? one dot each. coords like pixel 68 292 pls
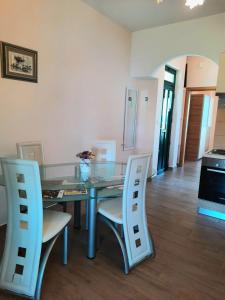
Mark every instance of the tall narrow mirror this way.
pixel 130 119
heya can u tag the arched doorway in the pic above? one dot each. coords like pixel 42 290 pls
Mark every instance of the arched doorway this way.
pixel 200 76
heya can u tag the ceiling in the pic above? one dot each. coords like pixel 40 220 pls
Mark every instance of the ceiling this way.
pixel 141 14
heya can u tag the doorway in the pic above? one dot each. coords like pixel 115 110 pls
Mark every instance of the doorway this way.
pixel 166 119
pixel 198 132
pixel 205 118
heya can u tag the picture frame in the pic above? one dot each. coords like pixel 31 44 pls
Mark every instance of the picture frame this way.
pixel 19 63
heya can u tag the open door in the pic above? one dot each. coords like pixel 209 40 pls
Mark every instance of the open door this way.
pixel 166 119
pixel 197 127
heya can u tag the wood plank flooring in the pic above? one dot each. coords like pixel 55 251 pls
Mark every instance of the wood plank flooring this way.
pixel 190 253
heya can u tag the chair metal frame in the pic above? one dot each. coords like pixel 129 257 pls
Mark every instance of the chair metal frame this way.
pixel 133 194
pixel 25 230
pixel 110 147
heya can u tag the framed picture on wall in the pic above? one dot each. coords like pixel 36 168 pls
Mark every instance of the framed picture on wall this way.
pixel 18 63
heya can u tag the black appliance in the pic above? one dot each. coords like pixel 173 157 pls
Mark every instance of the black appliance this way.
pixel 212 180
pixel 218 151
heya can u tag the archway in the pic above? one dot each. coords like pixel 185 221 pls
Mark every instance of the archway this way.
pixel 202 77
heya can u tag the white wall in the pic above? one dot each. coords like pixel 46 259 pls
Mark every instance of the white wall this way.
pixel 202 72
pixel 179 65
pixel 83 72
pixel 154 47
pixel 83 66
pixel 84 61
pixel 149 113
pixel 146 116
pixel 212 113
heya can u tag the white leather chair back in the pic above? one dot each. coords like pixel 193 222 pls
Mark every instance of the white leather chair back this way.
pixel 134 214
pixel 105 150
pixel 30 151
pixel 3 206
pixel 20 262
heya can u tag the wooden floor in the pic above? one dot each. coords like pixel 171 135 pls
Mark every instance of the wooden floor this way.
pixel 190 253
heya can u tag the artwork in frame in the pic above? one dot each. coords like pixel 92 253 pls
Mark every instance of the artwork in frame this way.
pixel 19 63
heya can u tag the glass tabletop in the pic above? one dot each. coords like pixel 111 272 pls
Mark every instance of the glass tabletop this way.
pixel 94 174
pixel 68 175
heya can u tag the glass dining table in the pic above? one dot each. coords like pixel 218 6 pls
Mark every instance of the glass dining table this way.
pixel 94 177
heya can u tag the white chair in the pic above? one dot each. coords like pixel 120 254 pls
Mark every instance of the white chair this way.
pixel 105 150
pixel 34 151
pixel 28 228
pixel 31 151
pixel 129 213
pixel 3 206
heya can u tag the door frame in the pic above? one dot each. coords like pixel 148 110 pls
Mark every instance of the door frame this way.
pixel 189 90
pixel 171 85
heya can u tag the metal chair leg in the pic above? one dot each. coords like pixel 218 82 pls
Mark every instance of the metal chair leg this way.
pixel 152 244
pixel 121 231
pixel 97 234
pixel 121 243
pixel 45 259
pixel 42 268
pixel 116 225
pixel 65 245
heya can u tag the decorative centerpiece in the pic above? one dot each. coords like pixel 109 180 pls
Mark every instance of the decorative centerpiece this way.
pixel 85 158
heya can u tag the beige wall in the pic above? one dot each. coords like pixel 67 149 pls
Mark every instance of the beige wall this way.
pixel 219 141
pixel 212 116
pixel 155 46
pixel 83 71
pixel 146 116
pixel 202 72
pixel 84 62
pixel 149 113
pixel 179 65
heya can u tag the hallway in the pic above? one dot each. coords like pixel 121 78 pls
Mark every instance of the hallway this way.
pixel 190 253
pixel 190 247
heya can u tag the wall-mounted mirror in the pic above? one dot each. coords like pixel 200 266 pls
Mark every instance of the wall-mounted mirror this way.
pixel 130 119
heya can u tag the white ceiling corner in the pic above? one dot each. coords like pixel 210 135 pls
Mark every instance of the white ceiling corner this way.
pixel 140 14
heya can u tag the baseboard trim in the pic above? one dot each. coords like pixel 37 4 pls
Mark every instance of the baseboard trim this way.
pixel 172 168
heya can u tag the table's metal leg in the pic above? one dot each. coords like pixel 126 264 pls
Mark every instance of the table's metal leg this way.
pixel 65 245
pixel 64 204
pixel 92 211
pixel 77 214
pixel 86 214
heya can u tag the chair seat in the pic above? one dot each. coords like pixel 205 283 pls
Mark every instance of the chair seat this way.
pixel 47 204
pixel 109 192
pixel 111 209
pixel 53 223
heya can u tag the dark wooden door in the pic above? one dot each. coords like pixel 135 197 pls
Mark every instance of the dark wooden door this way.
pixel 194 127
pixel 166 124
